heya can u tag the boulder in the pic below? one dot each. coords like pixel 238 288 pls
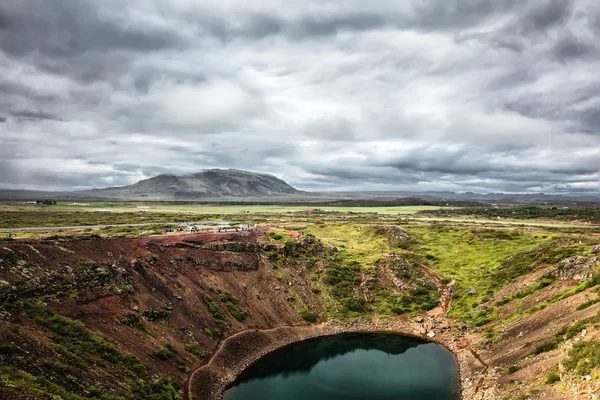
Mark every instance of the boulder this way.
pixel 596 249
pixel 579 268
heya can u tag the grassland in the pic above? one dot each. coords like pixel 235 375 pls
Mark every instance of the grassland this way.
pixel 475 258
pixel 201 209
pixel 480 259
pixel 589 214
pixel 359 243
pixel 346 269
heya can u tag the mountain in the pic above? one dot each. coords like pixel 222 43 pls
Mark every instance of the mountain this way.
pixel 232 185
pixel 210 183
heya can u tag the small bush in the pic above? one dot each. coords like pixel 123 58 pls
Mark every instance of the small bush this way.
pixel 583 357
pixel 275 236
pixel 544 347
pixel 214 309
pixel 587 304
pixel 511 370
pixel 163 354
pixel 503 301
pixel 192 348
pixel 237 312
pixel 354 304
pixel 159 388
pixel 228 297
pixel 213 333
pixel 552 377
pixel 308 316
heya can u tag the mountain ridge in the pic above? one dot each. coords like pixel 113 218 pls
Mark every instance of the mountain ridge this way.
pixel 207 183
pixel 232 185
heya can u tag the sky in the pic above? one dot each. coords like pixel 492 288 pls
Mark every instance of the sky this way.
pixel 418 95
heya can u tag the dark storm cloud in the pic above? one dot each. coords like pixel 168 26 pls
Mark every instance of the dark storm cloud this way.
pixel 33 115
pixel 569 47
pixel 332 24
pixel 482 95
pixel 74 39
pixel 544 14
pixel 69 28
pixel 444 15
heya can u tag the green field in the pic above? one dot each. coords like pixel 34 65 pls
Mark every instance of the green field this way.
pixel 121 207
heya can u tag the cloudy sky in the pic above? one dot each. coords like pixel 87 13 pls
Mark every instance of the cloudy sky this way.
pixel 479 95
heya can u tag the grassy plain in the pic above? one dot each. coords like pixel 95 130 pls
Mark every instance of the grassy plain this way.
pixel 345 266
pixel 201 209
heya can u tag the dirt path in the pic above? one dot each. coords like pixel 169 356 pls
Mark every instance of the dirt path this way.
pixel 446 292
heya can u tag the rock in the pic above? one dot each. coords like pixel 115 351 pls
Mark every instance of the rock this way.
pixel 135 308
pixel 431 334
pixel 578 268
pixel 596 249
pixel 158 314
pixel 135 264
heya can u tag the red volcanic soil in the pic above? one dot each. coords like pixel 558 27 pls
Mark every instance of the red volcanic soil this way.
pixel 164 282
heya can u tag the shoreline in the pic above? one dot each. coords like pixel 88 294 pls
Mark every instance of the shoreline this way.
pixel 239 351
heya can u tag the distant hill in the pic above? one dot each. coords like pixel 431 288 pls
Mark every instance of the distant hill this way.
pixel 233 185
pixel 210 183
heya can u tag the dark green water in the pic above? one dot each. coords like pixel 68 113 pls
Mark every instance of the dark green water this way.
pixel 352 367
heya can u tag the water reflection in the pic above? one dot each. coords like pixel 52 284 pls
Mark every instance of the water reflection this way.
pixel 352 366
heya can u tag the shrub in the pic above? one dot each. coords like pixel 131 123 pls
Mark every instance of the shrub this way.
pixel 228 297
pixel 587 304
pixel 163 354
pixel 192 348
pixel 159 388
pixel 214 308
pixel 213 333
pixel 307 315
pixel 552 377
pixel 237 312
pixel 503 301
pixel 583 357
pixel 511 370
pixel 275 236
pixel 354 304
pixel 544 347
